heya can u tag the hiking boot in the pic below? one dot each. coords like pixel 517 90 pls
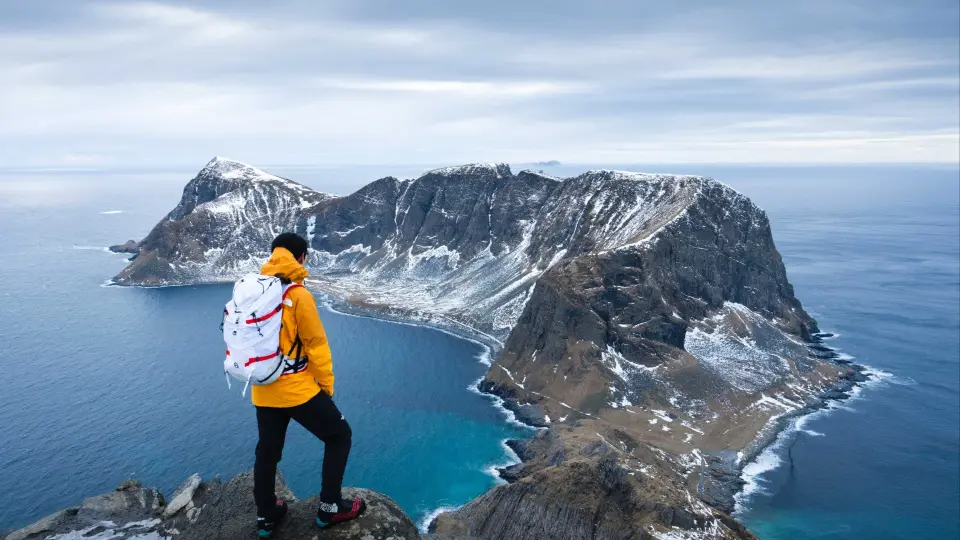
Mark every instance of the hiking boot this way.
pixel 266 525
pixel 332 513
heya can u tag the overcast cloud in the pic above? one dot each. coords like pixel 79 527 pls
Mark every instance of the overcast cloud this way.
pixel 360 82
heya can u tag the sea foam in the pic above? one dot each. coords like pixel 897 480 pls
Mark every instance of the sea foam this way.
pixel 770 458
pixel 428 518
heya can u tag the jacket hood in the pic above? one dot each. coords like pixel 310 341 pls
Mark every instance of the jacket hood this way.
pixel 282 264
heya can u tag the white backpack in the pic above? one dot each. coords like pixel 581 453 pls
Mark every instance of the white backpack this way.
pixel 251 330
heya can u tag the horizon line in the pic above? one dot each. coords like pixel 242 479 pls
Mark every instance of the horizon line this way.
pixel 526 164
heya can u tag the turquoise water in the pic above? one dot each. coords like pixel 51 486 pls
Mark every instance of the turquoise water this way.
pixel 109 383
pixel 122 382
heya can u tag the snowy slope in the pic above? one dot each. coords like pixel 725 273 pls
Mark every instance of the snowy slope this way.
pixel 465 242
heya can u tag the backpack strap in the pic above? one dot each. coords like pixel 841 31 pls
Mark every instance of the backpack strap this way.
pixel 298 363
pixel 286 288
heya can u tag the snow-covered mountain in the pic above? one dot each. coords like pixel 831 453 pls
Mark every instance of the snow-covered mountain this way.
pixel 464 242
pixel 648 313
pixel 227 217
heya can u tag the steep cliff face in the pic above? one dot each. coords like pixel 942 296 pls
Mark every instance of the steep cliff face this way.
pixel 646 320
pixel 623 314
pixel 462 242
pixel 668 358
pixel 607 486
pixel 453 242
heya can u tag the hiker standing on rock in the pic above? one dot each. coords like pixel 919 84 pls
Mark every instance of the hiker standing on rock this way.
pixel 300 387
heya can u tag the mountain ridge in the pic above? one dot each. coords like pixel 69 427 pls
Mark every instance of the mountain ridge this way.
pixel 649 310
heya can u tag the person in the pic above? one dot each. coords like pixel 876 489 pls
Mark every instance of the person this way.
pixel 303 393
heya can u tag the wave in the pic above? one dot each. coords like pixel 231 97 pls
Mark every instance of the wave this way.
pixel 110 212
pixel 771 457
pixel 93 248
pixel 484 357
pixel 801 426
pixel 428 518
pixel 511 459
pixel 497 402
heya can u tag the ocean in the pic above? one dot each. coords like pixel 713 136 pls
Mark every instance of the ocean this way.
pixel 105 383
pixel 119 383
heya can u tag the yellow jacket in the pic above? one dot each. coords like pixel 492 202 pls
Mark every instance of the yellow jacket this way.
pixel 300 318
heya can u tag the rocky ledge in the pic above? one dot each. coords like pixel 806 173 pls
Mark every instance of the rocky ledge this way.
pixel 210 510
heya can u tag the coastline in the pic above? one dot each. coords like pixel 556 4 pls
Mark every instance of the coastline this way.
pixel 728 470
pixel 489 345
pixel 761 457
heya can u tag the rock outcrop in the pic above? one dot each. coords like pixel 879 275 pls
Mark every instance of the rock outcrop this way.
pixel 646 321
pixel 135 508
pixel 212 510
pixel 130 246
pixel 230 516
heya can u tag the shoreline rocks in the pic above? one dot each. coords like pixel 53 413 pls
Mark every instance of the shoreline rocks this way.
pixel 130 246
pixel 131 504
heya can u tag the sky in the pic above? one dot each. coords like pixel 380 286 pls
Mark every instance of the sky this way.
pixel 103 84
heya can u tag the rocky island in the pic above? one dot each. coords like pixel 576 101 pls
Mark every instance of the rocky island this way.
pixel 644 322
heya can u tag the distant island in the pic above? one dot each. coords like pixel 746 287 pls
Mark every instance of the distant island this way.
pixel 551 163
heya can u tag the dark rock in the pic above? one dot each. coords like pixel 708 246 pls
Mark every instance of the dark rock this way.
pixel 129 484
pixel 529 414
pixel 519 447
pixel 512 473
pixel 130 503
pixel 594 500
pixel 720 484
pixel 680 518
pixel 131 246
pixel 835 394
pixel 857 377
pixel 45 526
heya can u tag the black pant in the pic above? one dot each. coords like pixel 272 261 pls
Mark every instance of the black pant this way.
pixel 319 416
